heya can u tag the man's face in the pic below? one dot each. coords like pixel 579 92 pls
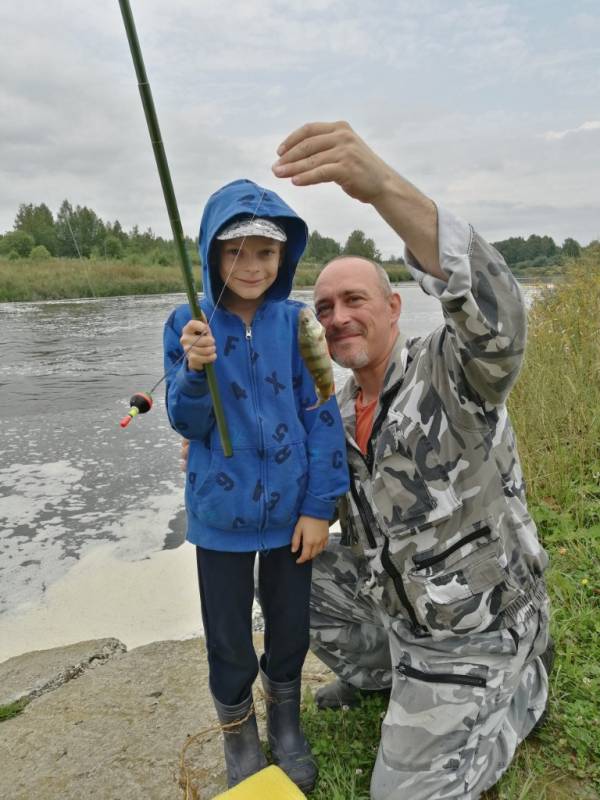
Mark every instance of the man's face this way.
pixel 249 266
pixel 360 322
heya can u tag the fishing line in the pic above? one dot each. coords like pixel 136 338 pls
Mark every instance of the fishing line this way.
pixel 86 269
pixel 141 402
pixel 252 218
pixel 200 335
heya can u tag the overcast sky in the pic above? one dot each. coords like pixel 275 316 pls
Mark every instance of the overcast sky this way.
pixel 491 108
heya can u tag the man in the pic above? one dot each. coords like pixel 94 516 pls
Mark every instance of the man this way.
pixel 435 589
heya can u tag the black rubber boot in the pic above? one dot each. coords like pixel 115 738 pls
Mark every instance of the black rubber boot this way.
pixel 338 694
pixel 243 753
pixel 547 659
pixel 288 744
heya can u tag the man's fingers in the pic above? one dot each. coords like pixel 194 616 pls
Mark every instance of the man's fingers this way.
pixel 327 173
pixel 315 145
pixel 307 131
pixel 311 161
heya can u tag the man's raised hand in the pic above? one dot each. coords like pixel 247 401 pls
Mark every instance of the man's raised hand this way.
pixel 325 152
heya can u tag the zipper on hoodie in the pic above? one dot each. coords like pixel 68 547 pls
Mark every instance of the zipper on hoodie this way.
pixel 263 477
pixel 441 677
pixel 421 562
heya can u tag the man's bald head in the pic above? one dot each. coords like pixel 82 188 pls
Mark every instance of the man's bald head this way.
pixel 359 311
pixel 380 273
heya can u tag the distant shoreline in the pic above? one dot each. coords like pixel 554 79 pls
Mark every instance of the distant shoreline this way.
pixel 26 281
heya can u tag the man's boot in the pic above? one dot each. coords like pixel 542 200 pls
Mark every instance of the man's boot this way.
pixel 243 753
pixel 339 693
pixel 547 659
pixel 288 744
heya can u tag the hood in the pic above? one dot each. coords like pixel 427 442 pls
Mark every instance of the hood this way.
pixel 244 199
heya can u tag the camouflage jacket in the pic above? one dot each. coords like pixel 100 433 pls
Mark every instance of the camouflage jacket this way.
pixel 437 505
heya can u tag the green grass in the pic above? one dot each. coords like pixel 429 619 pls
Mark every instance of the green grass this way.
pixel 11 710
pixel 29 280
pixel 68 278
pixel 555 408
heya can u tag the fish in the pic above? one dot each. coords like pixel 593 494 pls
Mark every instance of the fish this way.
pixel 315 354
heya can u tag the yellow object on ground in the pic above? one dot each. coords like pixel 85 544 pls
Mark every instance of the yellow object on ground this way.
pixel 271 783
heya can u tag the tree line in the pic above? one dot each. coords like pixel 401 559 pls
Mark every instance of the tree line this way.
pixel 78 232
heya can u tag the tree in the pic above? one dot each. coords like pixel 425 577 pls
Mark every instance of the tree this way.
pixel 18 242
pixel 66 245
pixel 392 259
pixel 113 247
pixel 571 248
pixel 358 245
pixel 38 222
pixel 321 248
pixel 78 231
pixel 40 253
pixel 115 229
pixel 512 249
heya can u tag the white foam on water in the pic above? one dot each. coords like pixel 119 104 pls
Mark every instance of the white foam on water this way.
pixel 104 595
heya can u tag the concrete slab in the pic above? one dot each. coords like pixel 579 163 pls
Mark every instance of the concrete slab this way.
pixel 32 674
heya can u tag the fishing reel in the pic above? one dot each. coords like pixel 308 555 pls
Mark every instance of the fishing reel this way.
pixel 139 403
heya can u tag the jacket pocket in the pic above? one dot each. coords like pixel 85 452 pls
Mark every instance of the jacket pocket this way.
pixel 230 495
pixel 416 736
pixel 287 479
pixel 411 486
pixel 463 584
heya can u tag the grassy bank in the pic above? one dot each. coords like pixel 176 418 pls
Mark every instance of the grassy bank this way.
pixel 66 278
pixel 556 411
pixel 26 280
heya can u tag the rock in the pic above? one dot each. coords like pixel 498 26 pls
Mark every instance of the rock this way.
pixel 123 731
pixel 33 674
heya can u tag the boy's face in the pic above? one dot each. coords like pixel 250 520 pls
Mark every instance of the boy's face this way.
pixel 256 260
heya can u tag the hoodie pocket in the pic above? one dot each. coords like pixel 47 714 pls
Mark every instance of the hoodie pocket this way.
pixel 231 495
pixel 287 479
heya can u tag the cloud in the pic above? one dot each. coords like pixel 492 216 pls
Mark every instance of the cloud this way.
pixel 454 97
pixel 592 125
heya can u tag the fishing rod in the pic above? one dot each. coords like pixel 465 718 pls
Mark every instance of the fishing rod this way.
pixel 141 402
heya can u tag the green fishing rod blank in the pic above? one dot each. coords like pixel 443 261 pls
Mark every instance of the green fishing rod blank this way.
pixel 171 203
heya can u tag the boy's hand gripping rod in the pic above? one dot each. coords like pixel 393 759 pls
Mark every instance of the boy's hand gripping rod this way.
pixel 140 402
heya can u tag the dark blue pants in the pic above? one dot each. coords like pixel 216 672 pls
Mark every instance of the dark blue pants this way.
pixel 226 592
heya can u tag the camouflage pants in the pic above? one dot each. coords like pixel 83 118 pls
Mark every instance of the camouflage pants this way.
pixel 458 708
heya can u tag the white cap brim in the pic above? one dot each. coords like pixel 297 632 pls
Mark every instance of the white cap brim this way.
pixel 253 227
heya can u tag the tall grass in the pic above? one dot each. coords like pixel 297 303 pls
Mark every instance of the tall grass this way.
pixel 555 405
pixel 25 280
pixel 57 279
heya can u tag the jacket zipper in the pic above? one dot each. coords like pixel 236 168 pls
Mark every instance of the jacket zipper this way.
pixel 361 511
pixel 423 562
pixel 442 677
pixel 386 561
pixel 396 577
pixel 385 407
pixel 263 509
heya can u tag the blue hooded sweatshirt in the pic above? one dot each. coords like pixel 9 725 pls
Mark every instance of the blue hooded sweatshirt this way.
pixel 287 460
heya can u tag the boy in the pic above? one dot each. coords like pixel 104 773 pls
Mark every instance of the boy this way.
pixel 279 487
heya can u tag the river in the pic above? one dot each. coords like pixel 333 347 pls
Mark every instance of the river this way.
pixel 91 515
